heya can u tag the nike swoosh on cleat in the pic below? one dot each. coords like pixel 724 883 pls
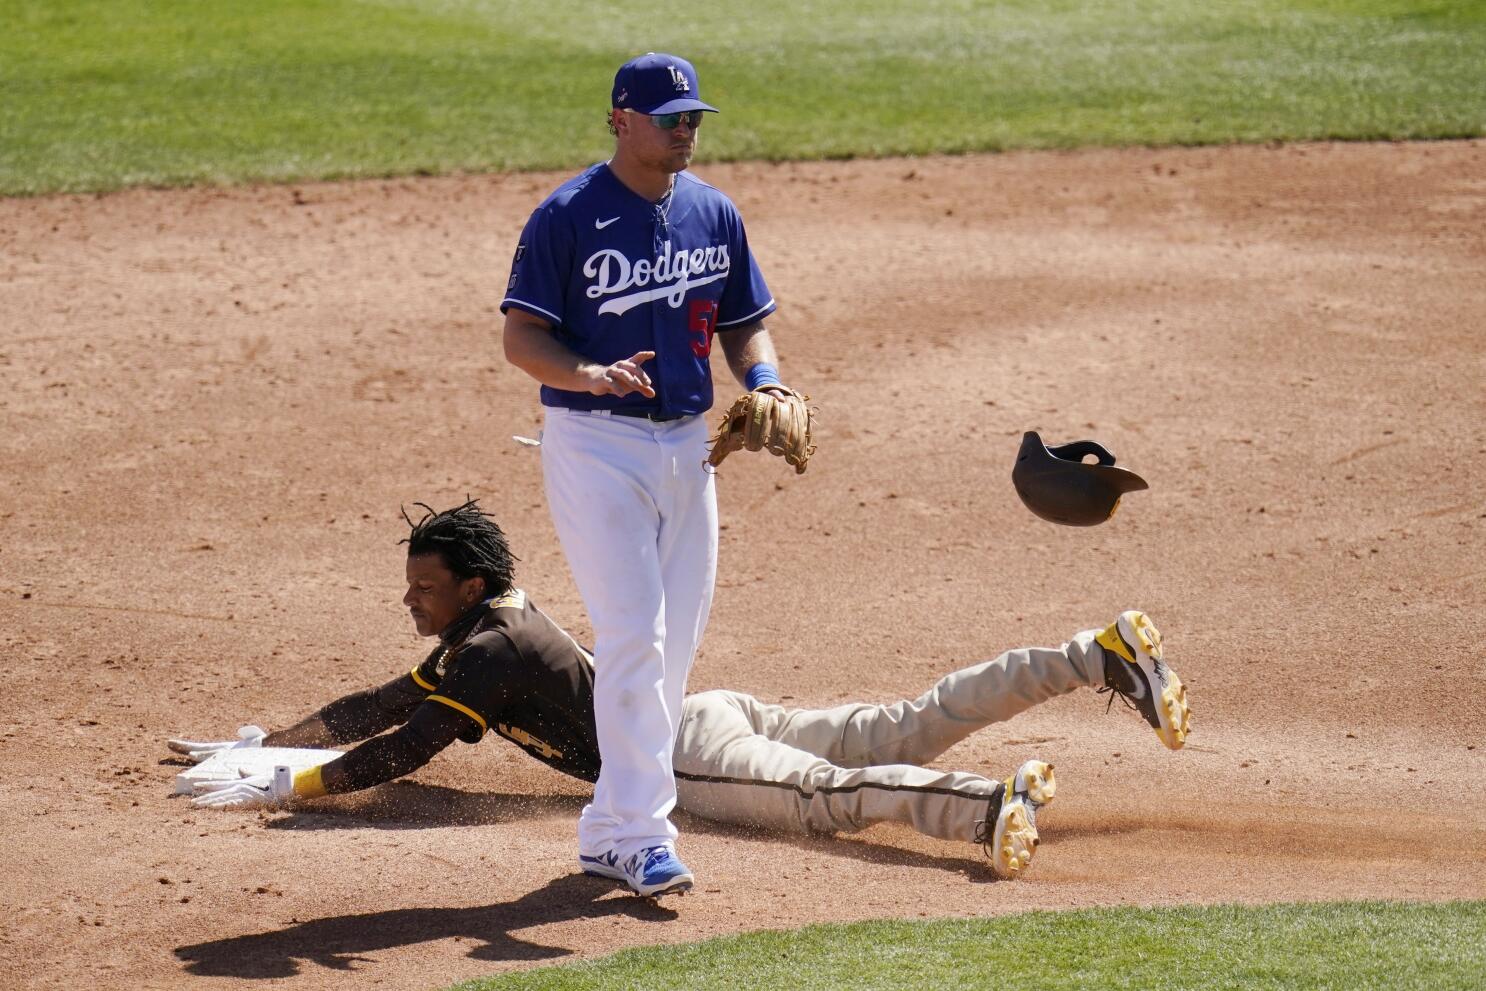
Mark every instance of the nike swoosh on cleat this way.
pixel 599 225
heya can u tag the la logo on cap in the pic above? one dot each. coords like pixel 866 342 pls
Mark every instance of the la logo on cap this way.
pixel 678 79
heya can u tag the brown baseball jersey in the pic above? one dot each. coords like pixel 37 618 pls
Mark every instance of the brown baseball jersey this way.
pixel 503 667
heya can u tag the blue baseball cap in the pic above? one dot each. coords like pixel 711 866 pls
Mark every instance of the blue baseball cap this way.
pixel 656 83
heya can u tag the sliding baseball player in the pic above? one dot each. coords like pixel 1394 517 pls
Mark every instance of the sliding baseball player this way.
pixel 502 666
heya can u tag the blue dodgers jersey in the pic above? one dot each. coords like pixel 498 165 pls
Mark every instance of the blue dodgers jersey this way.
pixel 616 274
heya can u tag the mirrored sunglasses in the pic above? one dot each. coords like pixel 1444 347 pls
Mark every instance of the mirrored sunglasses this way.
pixel 667 122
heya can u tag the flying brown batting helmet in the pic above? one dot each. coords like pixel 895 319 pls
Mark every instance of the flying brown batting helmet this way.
pixel 1057 485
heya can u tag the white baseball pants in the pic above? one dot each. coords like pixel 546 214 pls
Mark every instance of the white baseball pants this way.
pixel 739 760
pixel 636 514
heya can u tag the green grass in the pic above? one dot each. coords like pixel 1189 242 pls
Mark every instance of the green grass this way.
pixel 1344 946
pixel 98 94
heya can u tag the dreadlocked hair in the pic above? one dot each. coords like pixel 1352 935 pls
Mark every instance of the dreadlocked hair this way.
pixel 469 543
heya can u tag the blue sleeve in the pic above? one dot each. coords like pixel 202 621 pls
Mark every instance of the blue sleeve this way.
pixel 543 266
pixel 745 297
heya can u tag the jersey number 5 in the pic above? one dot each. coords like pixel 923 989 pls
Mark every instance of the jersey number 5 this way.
pixel 703 325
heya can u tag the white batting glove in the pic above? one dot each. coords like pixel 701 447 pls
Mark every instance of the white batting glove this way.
pixel 197 751
pixel 259 791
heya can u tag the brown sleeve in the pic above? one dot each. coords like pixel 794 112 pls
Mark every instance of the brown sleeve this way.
pixel 390 756
pixel 365 714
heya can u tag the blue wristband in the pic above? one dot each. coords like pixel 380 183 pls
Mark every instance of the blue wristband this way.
pixel 761 374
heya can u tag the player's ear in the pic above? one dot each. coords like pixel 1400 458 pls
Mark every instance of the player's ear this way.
pixel 472 589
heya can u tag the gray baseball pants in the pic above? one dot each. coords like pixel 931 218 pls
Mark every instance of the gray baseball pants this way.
pixel 742 761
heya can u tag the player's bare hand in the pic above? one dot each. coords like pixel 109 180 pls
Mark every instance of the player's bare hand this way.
pixel 625 377
pixel 199 750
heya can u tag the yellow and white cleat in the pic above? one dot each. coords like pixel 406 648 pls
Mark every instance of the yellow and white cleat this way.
pixel 1135 671
pixel 1013 838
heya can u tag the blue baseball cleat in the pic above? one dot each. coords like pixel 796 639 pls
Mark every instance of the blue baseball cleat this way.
pixel 652 872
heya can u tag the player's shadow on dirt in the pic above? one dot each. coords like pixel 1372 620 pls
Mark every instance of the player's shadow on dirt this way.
pixel 410 805
pixel 853 846
pixel 341 942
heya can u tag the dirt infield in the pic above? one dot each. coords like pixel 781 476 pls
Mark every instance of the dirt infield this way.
pixel 214 402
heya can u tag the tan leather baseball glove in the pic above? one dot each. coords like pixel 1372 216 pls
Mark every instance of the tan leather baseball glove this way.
pixel 772 417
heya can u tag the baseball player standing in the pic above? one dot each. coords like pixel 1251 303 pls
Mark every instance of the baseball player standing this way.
pixel 620 281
